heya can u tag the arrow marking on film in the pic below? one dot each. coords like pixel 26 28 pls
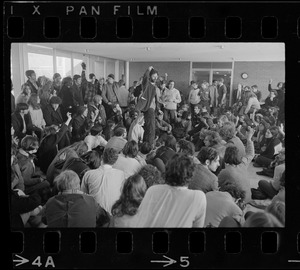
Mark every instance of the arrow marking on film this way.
pixel 22 261
pixel 169 262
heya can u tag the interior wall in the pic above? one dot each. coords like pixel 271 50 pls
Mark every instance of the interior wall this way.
pixel 177 71
pixel 259 73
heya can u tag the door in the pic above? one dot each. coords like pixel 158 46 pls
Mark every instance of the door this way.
pixel 200 76
pixel 226 75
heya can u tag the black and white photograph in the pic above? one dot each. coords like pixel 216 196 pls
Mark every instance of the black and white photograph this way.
pixel 147 135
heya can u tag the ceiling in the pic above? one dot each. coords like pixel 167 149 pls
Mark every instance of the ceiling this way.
pixel 196 52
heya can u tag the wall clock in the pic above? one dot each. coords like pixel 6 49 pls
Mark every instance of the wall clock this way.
pixel 244 75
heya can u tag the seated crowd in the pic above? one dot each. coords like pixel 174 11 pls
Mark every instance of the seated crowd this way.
pixel 90 153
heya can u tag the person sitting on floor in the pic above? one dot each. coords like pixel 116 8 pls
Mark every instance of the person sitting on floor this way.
pixel 125 208
pixel 204 179
pixel 94 139
pixel 118 141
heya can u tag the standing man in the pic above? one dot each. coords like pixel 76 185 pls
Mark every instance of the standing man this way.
pixel 110 94
pixel 147 104
pixel 32 82
pixel 222 91
pixel 194 96
pixel 204 94
pixel 213 93
pixel 255 90
pixel 56 84
pixel 90 88
pixel 76 93
pixel 171 98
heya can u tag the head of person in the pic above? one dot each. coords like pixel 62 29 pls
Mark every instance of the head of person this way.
pixel 209 157
pixel 111 78
pixel 194 84
pixel 34 101
pixel 227 131
pixel 25 89
pixel 179 170
pixel 145 148
pixel 231 156
pixel 77 79
pixel 212 138
pixel 116 107
pixel 254 88
pixel 55 102
pixel 30 75
pixel 96 130
pixel 171 84
pixel 272 132
pixel 153 75
pixel 132 194
pixel 273 94
pixel 277 209
pixel 133 114
pixel 247 88
pixel 29 144
pixel 281 156
pixel 110 156
pixel 263 126
pixel 92 77
pixel 186 147
pixel 222 119
pixel 233 189
pixel 204 85
pixel 134 84
pixel 171 142
pixel 94 160
pixel 101 81
pixel 215 82
pixel 22 108
pixel 121 83
pixel 280 85
pixel 197 109
pixel 163 84
pixel 120 132
pixel 67 82
pixel 82 110
pixel 50 130
pixel 131 149
pixel 221 81
pixel 56 78
pixel 160 115
pixel 262 219
pixel 186 115
pixel 151 175
pixel 67 180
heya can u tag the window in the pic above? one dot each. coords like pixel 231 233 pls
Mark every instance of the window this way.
pixel 110 67
pixel 77 69
pixel 63 65
pixel 42 64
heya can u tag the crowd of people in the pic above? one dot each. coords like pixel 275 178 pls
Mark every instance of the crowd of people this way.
pixel 91 153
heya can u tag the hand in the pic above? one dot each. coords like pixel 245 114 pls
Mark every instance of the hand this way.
pixel 150 68
pixel 69 115
pixel 281 128
pixel 270 81
pixel 239 128
pixel 83 65
pixel 96 112
pixel 166 74
pixel 250 133
pixel 63 156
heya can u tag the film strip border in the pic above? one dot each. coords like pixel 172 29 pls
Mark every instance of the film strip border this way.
pixel 155 21
pixel 160 248
pixel 172 22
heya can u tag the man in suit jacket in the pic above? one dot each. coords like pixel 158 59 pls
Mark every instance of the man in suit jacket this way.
pixel 222 91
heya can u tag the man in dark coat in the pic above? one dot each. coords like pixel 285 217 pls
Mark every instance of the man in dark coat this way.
pixel 147 103
pixel 32 82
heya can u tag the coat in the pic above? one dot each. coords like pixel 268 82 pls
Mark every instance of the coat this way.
pixel 51 116
pixel 17 122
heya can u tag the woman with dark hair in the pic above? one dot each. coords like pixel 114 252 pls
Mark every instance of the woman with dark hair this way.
pixel 127 159
pixel 259 135
pixel 236 168
pixel 124 209
pixel 172 204
pixel 21 121
pixel 271 147
pixel 168 150
pixel 24 95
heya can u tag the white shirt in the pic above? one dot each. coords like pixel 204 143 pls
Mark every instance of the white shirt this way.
pixel 194 97
pixel 137 133
pixel 167 206
pixel 37 117
pixel 128 165
pixel 123 96
pixel 171 98
pixel 104 184
pixel 93 141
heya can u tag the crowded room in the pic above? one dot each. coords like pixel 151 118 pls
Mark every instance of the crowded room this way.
pixel 146 135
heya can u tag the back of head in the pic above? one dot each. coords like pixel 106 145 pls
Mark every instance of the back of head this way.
pixel 29 143
pixel 120 131
pixel 133 191
pixel 232 156
pixel 186 147
pixel 179 170
pixel 97 99
pixel 131 149
pixel 233 189
pixel 94 160
pixel 151 175
pixel 171 142
pixel 207 153
pixel 227 131
pixel 145 148
pixel 21 107
pixel 262 219
pixel 95 130
pixel 110 156
pixel 67 180
pixel 29 72
pixel 277 209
